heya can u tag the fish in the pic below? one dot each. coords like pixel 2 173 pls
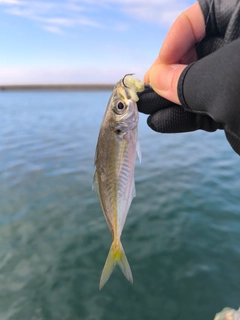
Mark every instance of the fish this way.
pixel 115 159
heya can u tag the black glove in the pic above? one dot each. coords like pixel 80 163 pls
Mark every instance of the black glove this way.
pixel 166 117
pixel 209 92
pixel 208 89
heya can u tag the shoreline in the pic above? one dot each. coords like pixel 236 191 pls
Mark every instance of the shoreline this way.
pixel 70 87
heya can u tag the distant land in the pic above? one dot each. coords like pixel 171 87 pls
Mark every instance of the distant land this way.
pixel 56 87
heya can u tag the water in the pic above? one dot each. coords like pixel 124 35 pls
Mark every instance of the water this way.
pixel 182 234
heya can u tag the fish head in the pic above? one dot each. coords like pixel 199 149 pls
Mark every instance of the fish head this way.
pixel 123 105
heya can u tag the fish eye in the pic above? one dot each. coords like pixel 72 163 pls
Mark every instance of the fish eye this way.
pixel 120 105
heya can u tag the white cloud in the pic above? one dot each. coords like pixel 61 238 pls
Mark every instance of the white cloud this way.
pixel 51 15
pixel 9 2
pixel 53 29
pixel 56 25
pixel 58 15
pixel 163 12
pixel 58 21
pixel 155 14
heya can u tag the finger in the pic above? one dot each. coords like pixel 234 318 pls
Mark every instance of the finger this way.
pixel 179 44
pixel 174 120
pixel 164 80
pixel 192 53
pixel 149 101
pixel 146 76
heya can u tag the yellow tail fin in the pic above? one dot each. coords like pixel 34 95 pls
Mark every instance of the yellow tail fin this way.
pixel 115 256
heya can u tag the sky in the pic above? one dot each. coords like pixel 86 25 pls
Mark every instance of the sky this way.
pixel 81 41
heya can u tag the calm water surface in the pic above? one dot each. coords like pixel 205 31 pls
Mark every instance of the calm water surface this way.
pixel 182 234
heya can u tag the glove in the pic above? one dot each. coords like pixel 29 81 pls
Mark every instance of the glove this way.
pixel 209 93
pixel 166 117
pixel 200 110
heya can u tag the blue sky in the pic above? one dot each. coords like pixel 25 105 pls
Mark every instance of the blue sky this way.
pixel 81 41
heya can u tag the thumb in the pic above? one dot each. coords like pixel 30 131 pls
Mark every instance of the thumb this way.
pixel 164 80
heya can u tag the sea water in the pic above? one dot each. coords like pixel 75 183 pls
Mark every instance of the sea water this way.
pixel 181 237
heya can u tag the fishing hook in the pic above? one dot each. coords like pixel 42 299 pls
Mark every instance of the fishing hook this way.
pixel 128 74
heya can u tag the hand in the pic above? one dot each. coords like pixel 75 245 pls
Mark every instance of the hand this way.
pixel 203 69
pixel 167 117
pixel 177 51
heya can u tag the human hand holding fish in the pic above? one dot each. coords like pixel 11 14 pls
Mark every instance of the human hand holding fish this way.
pixel 198 68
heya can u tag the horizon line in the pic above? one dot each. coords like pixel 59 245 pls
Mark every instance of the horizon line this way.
pixel 94 86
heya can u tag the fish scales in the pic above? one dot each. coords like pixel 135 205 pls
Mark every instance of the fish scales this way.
pixel 115 162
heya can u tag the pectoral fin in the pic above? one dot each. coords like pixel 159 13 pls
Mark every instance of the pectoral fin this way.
pixel 95 183
pixel 139 152
pixel 124 205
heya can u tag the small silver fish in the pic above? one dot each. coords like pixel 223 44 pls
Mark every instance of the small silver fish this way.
pixel 115 162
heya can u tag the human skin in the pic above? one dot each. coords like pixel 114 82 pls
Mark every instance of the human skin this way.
pixel 177 51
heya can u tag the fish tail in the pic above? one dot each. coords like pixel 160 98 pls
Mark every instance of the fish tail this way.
pixel 115 256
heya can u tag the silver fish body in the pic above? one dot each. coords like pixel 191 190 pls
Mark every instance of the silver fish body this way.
pixel 115 162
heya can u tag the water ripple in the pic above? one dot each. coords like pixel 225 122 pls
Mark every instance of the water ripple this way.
pixel 181 235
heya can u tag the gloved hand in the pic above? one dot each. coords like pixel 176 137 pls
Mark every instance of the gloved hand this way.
pixel 166 117
pixel 208 88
